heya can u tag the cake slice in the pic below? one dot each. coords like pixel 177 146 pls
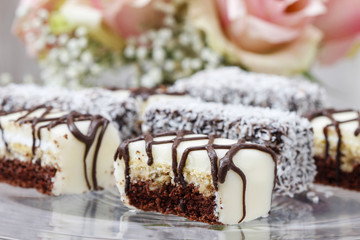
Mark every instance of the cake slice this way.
pixel 232 85
pixel 203 178
pixel 56 152
pixel 337 147
pixel 285 133
pixel 116 106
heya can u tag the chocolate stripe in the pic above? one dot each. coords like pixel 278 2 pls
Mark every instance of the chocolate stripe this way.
pixel 218 173
pixel 70 119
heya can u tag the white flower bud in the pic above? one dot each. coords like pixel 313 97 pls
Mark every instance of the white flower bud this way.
pixel 63 39
pixel 51 39
pixel 195 63
pixel 43 13
pixel 87 57
pixel 81 32
pixel 53 54
pixel 169 66
pixel 186 64
pixel 165 34
pixel 178 54
pixel 64 57
pixel 184 39
pixel 158 55
pixel 36 23
pixel 82 42
pixel 71 72
pixel 141 52
pixel 129 51
pixel 72 44
pixel 75 53
pixel 152 78
pixel 169 21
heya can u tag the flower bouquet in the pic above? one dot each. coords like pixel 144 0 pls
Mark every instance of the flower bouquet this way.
pixel 132 43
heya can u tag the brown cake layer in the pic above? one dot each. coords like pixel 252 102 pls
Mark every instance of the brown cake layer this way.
pixel 328 173
pixel 185 201
pixel 27 175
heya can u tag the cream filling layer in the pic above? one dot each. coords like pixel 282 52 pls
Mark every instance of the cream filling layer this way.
pixel 258 167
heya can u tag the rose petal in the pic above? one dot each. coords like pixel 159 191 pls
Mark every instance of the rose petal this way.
pixel 290 59
pixel 334 50
pixel 129 18
pixel 341 20
pixel 296 57
pixel 296 18
pixel 341 27
pixel 258 29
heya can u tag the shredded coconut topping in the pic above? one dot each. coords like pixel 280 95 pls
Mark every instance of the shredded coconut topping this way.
pixel 231 85
pixel 286 133
pixel 117 107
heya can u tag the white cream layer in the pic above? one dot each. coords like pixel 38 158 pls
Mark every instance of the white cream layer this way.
pixel 60 149
pixel 350 147
pixel 258 167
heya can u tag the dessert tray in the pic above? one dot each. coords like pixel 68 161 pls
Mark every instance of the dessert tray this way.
pixel 27 214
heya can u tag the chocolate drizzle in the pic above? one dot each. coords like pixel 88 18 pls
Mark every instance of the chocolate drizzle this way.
pixel 70 119
pixel 218 173
pixel 336 124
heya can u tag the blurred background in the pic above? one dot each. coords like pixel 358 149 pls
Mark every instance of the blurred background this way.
pixel 342 79
pixel 13 58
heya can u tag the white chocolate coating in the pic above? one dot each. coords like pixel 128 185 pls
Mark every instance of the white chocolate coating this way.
pixel 60 149
pixel 350 147
pixel 258 167
pixel 286 133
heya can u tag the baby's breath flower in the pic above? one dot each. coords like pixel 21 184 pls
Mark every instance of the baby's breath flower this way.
pixel 63 39
pixel 129 51
pixel 169 21
pixel 87 57
pixel 36 22
pixel 175 50
pixel 43 14
pixel 159 55
pixel 169 65
pixel 81 32
pixel 141 52
pixel 156 56
pixel 82 42
pixel 64 56
pixel 195 63
pixel 72 44
pixel 51 39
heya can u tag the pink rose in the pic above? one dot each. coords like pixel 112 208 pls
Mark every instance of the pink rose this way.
pixel 269 36
pixel 341 29
pixel 130 17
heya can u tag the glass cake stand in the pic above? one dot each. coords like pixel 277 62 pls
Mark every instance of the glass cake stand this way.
pixel 26 214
